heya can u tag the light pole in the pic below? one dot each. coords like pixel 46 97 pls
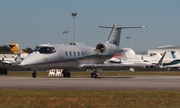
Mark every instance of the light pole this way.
pixel 73 14
pixel 65 32
pixel 128 37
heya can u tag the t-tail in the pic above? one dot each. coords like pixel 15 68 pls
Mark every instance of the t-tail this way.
pixel 175 54
pixel 115 34
pixel 15 48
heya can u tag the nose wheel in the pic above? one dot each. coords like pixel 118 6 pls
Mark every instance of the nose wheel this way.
pixel 34 75
pixel 94 75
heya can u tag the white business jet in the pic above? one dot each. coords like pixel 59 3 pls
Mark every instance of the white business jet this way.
pixel 6 59
pixel 75 55
pixel 17 60
pixel 173 62
pixel 127 57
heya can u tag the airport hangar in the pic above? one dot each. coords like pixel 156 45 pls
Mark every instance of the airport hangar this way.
pixel 162 49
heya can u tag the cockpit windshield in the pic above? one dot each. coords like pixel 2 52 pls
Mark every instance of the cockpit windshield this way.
pixel 45 49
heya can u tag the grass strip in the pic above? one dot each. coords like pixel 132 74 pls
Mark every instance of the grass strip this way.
pixel 89 99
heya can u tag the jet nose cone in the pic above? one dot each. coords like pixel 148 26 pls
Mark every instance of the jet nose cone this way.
pixel 24 63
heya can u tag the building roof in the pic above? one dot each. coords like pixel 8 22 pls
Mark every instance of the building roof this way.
pixel 167 47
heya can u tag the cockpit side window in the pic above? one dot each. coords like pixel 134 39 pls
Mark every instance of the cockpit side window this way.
pixel 36 48
pixel 46 50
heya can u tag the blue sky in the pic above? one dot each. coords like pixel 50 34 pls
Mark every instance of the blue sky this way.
pixel 33 22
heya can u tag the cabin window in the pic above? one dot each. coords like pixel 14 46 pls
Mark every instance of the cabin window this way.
pixel 74 53
pixel 82 53
pixel 70 53
pixel 78 53
pixel 66 53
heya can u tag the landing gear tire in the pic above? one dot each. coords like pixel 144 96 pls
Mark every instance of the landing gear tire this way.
pixel 34 75
pixel 66 74
pixel 94 75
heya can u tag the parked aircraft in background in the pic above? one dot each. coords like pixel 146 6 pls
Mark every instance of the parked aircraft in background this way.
pixel 8 61
pixel 75 55
pixel 17 60
pixel 127 57
pixel 130 54
pixel 169 57
pixel 130 62
pixel 175 62
pixel 12 59
pixel 15 49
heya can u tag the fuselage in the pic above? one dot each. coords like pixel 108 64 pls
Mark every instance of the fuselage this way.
pixel 174 63
pixel 48 56
pixel 75 56
pixel 129 61
pixel 8 60
pixel 23 55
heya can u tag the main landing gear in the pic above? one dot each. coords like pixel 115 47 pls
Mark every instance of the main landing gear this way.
pixel 66 73
pixel 95 73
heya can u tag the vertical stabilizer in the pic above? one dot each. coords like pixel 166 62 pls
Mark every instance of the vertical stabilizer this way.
pixel 175 54
pixel 161 60
pixel 15 48
pixel 115 34
pixel 129 53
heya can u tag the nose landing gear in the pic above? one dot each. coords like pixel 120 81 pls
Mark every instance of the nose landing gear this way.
pixel 34 74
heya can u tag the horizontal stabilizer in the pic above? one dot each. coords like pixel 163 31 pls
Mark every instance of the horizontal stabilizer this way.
pixel 122 27
pixel 114 37
pixel 85 66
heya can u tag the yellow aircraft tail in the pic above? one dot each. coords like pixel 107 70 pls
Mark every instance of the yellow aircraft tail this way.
pixel 15 48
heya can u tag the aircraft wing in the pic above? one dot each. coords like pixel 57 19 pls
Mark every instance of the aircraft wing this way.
pixel 7 62
pixel 103 65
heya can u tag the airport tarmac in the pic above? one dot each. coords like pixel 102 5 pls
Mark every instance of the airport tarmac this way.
pixel 104 83
pixel 19 68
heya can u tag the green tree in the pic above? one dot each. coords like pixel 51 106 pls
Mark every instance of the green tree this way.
pixel 5 50
pixel 28 50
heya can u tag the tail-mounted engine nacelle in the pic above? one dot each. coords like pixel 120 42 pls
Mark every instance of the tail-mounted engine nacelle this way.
pixel 106 48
